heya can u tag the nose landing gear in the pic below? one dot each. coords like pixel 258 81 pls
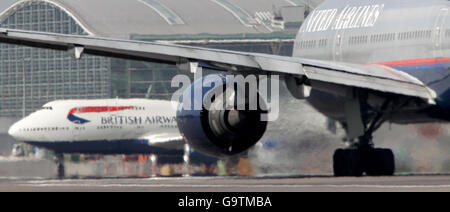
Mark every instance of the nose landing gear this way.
pixel 59 160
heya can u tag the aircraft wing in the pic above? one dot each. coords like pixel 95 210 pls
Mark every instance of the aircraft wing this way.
pixel 374 77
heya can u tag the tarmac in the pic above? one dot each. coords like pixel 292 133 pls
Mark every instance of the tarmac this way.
pixel 402 183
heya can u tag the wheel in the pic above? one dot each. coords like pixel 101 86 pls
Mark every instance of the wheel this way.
pixel 347 162
pixel 379 162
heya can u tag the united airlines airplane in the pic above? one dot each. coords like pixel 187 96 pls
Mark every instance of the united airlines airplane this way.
pixel 107 126
pixel 367 62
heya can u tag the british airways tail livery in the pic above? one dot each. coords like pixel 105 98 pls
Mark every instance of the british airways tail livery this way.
pixel 367 62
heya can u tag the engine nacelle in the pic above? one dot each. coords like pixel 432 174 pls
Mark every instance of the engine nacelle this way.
pixel 219 131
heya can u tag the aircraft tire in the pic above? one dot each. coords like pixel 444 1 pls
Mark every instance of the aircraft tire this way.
pixel 347 162
pixel 380 162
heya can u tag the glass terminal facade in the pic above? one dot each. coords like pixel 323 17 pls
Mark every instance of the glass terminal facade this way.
pixel 30 77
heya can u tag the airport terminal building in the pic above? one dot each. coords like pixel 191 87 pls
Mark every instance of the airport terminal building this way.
pixel 29 77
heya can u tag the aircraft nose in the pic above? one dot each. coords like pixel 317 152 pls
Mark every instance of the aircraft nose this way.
pixel 14 130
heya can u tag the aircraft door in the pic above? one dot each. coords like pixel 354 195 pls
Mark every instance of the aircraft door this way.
pixel 75 129
pixel 337 46
pixel 439 32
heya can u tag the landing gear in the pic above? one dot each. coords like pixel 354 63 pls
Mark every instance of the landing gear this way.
pixel 59 160
pixel 380 162
pixel 186 161
pixel 347 162
pixel 355 162
pixel 361 156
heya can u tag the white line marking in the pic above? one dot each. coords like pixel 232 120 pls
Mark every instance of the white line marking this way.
pixel 93 185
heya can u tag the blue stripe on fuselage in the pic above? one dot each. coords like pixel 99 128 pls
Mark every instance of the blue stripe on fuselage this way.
pixel 436 77
pixel 422 67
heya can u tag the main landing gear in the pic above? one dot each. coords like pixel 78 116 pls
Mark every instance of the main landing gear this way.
pixel 357 160
pixel 361 156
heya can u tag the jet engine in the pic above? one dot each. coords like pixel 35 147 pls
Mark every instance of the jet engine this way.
pixel 213 121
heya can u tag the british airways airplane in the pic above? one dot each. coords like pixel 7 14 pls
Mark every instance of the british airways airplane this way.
pixel 367 62
pixel 103 126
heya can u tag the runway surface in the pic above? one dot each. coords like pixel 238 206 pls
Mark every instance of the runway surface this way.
pixel 422 183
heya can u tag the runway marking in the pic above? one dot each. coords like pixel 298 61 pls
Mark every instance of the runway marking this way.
pixel 233 183
pixel 233 186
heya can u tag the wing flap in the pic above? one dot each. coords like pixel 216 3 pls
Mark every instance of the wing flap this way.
pixel 369 82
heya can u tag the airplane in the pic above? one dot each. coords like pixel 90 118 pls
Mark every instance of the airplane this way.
pixel 364 63
pixel 102 126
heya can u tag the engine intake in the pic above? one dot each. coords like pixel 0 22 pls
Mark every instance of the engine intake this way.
pixel 220 129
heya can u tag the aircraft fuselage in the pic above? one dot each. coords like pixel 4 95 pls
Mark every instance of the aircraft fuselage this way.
pixel 104 126
pixel 408 35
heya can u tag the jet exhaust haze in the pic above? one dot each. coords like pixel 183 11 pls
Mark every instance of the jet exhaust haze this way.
pixel 307 147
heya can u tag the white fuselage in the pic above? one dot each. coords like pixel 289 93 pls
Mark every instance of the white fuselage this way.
pixel 112 121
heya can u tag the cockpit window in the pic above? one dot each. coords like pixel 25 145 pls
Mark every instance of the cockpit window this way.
pixel 47 108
